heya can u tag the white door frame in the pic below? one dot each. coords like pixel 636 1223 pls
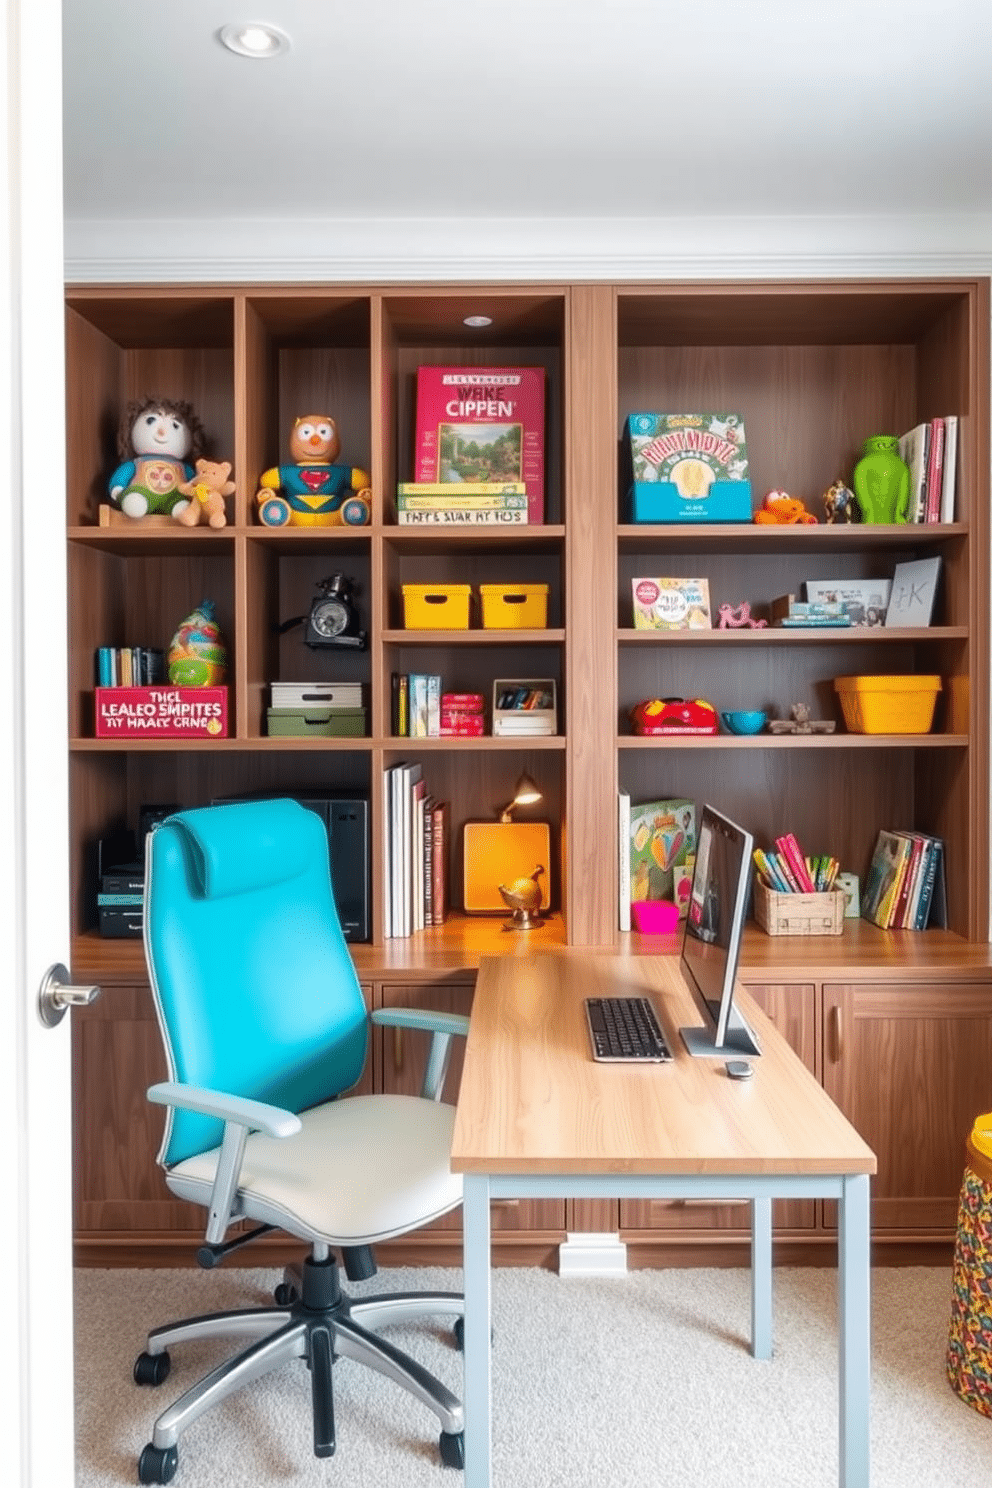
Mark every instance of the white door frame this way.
pixel 36 1404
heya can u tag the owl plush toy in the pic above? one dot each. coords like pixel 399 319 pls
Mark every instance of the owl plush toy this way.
pixel 156 440
pixel 314 492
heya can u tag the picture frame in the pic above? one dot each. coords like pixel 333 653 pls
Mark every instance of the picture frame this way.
pixel 914 589
pixel 866 601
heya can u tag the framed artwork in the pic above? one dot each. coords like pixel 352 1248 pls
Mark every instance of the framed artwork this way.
pixel 914 588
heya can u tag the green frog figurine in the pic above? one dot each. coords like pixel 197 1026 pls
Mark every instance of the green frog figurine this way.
pixel 881 481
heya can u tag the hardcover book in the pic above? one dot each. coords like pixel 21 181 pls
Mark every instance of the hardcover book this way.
pixel 671 604
pixel 482 424
pixel 662 838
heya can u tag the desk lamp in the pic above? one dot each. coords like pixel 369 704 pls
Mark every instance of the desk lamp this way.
pixel 507 863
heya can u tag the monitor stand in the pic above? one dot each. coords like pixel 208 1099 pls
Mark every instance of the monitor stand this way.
pixel 701 1043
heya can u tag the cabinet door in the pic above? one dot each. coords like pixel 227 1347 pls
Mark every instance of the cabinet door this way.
pixel 403 1056
pixel 910 1067
pixel 792 1010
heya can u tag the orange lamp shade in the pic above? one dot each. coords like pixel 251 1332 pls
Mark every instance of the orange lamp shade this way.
pixel 499 852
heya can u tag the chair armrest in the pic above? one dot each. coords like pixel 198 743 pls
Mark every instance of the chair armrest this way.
pixel 240 1116
pixel 427 1019
pixel 251 1114
pixel 442 1027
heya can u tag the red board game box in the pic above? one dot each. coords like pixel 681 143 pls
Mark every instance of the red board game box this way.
pixel 161 712
pixel 482 424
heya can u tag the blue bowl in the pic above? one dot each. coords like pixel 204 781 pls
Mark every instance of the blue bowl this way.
pixel 745 720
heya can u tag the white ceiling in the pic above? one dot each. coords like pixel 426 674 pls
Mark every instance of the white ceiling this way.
pixel 387 115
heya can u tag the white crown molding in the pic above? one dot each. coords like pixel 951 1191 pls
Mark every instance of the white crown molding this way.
pixel 262 250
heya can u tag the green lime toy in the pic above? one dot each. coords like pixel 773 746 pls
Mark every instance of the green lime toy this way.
pixel 881 481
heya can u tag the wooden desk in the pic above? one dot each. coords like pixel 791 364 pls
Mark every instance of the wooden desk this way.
pixel 538 1118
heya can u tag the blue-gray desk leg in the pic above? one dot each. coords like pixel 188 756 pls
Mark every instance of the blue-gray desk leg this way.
pixel 478 1332
pixel 854 1267
pixel 761 1278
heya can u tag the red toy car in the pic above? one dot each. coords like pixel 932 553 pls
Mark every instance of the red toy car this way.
pixel 674 716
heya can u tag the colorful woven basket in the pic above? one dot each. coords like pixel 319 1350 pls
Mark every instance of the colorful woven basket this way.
pixel 969 1348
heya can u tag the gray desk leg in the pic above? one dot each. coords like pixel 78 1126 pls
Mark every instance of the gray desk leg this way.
pixel 854 1263
pixel 761 1278
pixel 478 1332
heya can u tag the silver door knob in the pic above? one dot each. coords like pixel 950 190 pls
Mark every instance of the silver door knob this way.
pixel 56 995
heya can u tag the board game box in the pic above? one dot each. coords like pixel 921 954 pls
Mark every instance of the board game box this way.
pixel 482 424
pixel 687 467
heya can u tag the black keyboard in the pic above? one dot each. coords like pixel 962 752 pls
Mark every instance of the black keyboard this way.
pixel 623 1028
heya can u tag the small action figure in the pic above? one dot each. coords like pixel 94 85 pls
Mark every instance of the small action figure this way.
pixel 314 492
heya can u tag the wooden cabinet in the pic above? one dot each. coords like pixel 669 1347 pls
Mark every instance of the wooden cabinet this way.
pixel 911 1067
pixel 812 367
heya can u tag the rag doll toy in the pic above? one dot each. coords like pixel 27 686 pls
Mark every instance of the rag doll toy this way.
pixel 155 443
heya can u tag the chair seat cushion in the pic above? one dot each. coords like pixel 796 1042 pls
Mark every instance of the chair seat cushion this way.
pixel 363 1169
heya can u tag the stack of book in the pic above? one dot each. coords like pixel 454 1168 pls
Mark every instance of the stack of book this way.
pixel 416 851
pixel 930 451
pixel 906 887
pixel 462 715
pixel 440 503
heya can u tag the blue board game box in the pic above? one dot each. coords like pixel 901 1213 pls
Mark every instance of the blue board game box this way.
pixel 686 467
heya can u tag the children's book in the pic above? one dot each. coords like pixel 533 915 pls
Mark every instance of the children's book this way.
pixel 662 838
pixel 888 863
pixel 482 425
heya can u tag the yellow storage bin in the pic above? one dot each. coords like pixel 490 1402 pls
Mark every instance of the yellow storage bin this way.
pixel 436 606
pixel 888 705
pixel 514 606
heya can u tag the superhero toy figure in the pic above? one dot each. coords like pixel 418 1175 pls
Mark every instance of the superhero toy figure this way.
pixel 313 491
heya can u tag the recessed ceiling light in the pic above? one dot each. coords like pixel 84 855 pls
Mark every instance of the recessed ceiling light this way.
pixel 255 39
pixel 477 320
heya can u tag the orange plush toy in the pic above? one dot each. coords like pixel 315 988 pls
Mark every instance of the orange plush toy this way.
pixel 784 510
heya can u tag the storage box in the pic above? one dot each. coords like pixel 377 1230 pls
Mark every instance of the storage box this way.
pixel 888 705
pixel 316 694
pixel 689 467
pixel 436 606
pixel 525 706
pixel 798 914
pixel 514 606
pixel 161 712
pixel 320 723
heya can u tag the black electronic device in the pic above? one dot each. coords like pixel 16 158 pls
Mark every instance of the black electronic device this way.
pixel 346 817
pixel 333 619
pixel 711 938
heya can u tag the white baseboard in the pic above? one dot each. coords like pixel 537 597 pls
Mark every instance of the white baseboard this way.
pixel 592 1254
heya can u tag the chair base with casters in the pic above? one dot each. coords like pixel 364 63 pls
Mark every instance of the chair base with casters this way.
pixel 319 1324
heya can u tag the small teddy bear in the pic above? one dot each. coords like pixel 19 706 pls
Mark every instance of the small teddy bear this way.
pixel 207 489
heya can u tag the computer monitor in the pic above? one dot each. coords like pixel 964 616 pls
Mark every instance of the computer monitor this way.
pixel 711 939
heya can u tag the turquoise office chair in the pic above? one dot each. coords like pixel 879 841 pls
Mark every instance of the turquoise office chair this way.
pixel 265 1027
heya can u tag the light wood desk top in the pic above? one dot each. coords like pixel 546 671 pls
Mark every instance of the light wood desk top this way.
pixel 534 1101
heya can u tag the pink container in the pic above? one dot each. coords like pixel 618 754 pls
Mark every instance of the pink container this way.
pixel 654 916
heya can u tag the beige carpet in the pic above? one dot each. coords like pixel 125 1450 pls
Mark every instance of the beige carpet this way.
pixel 642 1381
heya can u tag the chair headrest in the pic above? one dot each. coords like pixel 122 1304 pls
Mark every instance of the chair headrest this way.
pixel 249 845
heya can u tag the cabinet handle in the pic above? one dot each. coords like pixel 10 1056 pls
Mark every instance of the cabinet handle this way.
pixel 837 1033
pixel 398 1050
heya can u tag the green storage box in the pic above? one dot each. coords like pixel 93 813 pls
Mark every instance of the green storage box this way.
pixel 318 723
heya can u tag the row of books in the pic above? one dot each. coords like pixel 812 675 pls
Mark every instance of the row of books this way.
pixel 416 857
pixel 930 451
pixel 788 870
pixel 906 886
pixel 421 710
pixel 129 666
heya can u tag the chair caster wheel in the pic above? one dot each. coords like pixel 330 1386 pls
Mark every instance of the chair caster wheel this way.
pixel 158 1464
pixel 459 1332
pixel 452 1444
pixel 285 1295
pixel 152 1369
